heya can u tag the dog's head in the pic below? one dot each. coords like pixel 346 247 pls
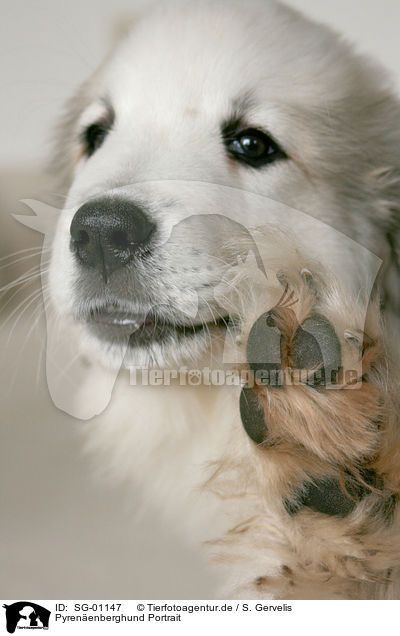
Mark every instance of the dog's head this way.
pixel 209 119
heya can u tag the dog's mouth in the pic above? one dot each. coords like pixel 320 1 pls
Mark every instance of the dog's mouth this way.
pixel 116 325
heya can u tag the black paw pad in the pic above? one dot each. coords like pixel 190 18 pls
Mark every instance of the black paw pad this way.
pixel 327 495
pixel 252 415
pixel 316 346
pixel 264 349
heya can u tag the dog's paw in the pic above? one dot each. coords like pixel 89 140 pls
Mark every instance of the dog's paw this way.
pixel 320 411
pixel 319 397
pixel 330 427
pixel 319 388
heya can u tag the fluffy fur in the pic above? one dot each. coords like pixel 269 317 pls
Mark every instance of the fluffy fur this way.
pixel 185 70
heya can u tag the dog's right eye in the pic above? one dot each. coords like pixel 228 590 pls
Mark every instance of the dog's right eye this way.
pixel 93 137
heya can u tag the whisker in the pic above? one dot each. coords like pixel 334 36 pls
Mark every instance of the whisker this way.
pixel 15 293
pixel 37 313
pixel 37 248
pixel 35 294
pixel 34 272
pixel 20 260
pixel 40 309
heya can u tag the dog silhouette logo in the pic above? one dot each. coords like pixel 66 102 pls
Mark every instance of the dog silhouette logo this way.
pixel 26 615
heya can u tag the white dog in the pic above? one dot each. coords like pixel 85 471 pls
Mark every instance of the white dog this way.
pixel 213 124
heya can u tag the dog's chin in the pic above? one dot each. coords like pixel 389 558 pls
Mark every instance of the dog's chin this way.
pixel 121 339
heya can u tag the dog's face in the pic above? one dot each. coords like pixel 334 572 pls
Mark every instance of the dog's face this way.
pixel 207 121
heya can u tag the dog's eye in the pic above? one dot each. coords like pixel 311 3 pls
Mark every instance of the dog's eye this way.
pixel 254 147
pixel 93 137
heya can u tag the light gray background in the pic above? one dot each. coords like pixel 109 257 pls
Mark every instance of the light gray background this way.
pixel 64 534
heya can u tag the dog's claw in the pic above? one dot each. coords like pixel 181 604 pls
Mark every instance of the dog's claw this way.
pixel 252 415
pixel 307 277
pixel 354 337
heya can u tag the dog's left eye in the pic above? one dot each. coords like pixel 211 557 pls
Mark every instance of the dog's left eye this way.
pixel 93 137
pixel 254 147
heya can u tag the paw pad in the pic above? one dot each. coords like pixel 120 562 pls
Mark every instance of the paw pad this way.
pixel 252 414
pixel 327 496
pixel 264 345
pixel 316 346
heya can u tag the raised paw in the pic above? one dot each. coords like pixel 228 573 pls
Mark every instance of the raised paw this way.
pixel 295 354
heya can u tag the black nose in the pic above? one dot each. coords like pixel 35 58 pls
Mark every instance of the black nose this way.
pixel 107 234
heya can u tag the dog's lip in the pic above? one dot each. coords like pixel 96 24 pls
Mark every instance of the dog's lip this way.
pixel 110 323
pixel 118 318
